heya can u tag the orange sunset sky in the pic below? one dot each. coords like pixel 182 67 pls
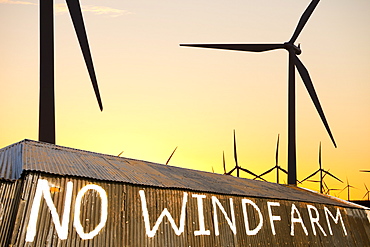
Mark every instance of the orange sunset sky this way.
pixel 158 95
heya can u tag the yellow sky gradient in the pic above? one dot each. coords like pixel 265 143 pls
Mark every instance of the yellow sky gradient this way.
pixel 157 95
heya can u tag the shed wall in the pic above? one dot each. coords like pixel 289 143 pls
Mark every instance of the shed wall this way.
pixel 125 210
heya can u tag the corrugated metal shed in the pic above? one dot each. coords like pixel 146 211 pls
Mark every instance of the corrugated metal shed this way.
pixel 29 155
pixel 58 196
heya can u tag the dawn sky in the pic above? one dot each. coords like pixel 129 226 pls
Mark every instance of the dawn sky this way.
pixel 158 95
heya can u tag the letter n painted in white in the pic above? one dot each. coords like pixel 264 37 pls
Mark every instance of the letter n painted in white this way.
pixel 296 220
pixel 151 233
pixel 273 217
pixel 336 219
pixel 246 222
pixel 103 212
pixel 43 189
pixel 231 222
pixel 315 220
pixel 202 230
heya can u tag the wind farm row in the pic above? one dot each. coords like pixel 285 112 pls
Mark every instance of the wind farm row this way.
pixel 317 176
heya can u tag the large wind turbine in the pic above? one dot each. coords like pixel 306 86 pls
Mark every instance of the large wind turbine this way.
pixel 294 62
pixel 47 102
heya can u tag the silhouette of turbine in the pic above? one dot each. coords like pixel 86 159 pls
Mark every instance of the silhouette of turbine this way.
pixel 237 167
pixel 293 62
pixel 364 170
pixel 277 167
pixel 47 102
pixel 323 173
pixel 348 186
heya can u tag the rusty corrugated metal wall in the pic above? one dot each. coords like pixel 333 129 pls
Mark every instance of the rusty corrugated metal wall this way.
pixel 133 210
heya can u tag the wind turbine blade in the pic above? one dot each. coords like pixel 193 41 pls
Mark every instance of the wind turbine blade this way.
pixel 303 20
pixel 229 173
pixel 277 151
pixel 327 172
pixel 313 174
pixel 342 190
pixel 325 185
pixel 235 152
pixel 267 172
pixel 283 170
pixel 364 170
pixel 120 154
pixel 252 173
pixel 239 47
pixel 78 23
pixel 366 187
pixel 171 156
pixel 223 160
pixel 365 195
pixel 311 90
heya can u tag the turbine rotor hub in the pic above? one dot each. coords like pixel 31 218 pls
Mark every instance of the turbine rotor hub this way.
pixel 289 46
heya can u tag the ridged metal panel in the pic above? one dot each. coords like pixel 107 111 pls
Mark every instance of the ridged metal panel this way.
pixel 9 199
pixel 11 162
pixel 36 156
pixel 125 225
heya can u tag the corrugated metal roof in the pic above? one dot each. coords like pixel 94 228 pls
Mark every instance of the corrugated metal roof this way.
pixel 29 155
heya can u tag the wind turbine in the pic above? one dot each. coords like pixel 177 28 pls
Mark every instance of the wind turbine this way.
pixel 348 186
pixel 294 62
pixel 47 101
pixel 277 167
pixel 367 193
pixel 322 173
pixel 237 167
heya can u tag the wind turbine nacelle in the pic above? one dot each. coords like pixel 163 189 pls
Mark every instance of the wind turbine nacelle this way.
pixel 297 49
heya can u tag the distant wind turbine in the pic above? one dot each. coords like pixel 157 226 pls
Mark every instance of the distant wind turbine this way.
pixel 237 167
pixel 47 101
pixel 322 173
pixel 277 167
pixel 293 63
pixel 348 186
pixel 171 156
